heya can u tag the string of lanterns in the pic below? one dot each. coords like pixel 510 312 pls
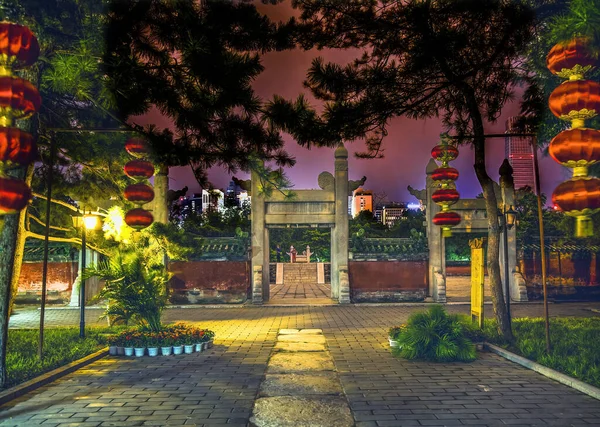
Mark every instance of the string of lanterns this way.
pixel 446 195
pixel 575 101
pixel 139 193
pixel 19 99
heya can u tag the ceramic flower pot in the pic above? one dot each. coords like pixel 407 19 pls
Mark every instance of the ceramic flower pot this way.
pixel 177 349
pixel 198 347
pixel 139 351
pixel 188 349
pixel 166 351
pixel 210 344
pixel 120 351
pixel 128 351
pixel 112 350
pixel 152 351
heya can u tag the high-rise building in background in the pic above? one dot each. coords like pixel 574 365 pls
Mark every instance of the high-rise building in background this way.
pixel 519 152
pixel 362 200
pixel 391 213
pixel 212 200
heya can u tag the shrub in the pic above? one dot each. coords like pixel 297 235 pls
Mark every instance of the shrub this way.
pixel 436 336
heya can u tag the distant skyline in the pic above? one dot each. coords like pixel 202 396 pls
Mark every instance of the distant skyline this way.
pixel 406 148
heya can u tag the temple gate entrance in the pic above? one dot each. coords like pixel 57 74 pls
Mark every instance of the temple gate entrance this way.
pixel 327 207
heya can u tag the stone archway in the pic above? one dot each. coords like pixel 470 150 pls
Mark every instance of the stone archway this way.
pixel 327 207
pixel 473 219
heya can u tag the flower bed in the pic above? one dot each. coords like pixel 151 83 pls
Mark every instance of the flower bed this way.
pixel 171 339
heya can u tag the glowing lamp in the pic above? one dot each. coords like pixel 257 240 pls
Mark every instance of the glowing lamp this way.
pixel 139 169
pixel 14 195
pixel 138 218
pixel 445 197
pixel 579 198
pixel 18 47
pixel 576 148
pixel 575 101
pixel 19 99
pixel 444 152
pixel 445 174
pixel 137 147
pixel 91 222
pixel 570 59
pixel 139 193
pixel 16 146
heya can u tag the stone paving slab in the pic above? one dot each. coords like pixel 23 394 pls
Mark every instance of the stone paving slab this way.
pixel 304 338
pixel 283 363
pixel 297 385
pixel 298 346
pixel 289 411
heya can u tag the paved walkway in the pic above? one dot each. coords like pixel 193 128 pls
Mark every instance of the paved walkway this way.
pixel 219 387
pixel 304 293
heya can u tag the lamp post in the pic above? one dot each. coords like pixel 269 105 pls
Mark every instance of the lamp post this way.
pixel 508 217
pixel 86 222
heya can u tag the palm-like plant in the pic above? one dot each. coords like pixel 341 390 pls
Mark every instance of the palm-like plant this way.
pixel 134 290
pixel 436 336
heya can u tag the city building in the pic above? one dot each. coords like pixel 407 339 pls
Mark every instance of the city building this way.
pixel 391 213
pixel 212 200
pixel 362 200
pixel 519 152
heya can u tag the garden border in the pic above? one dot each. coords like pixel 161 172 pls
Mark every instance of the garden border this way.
pixel 41 380
pixel 578 385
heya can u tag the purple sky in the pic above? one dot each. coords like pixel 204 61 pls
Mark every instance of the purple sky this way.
pixel 407 146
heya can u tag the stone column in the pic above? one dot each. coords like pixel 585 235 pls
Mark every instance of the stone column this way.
pixel 160 209
pixel 340 289
pixel 258 243
pixel 435 242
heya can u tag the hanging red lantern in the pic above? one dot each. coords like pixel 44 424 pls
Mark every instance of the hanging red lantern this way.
pixel 139 193
pixel 16 146
pixel 19 99
pixel 448 174
pixel 446 220
pixel 18 46
pixel 580 198
pixel 576 101
pixel 576 148
pixel 14 195
pixel 138 218
pixel 444 152
pixel 139 169
pixel 137 147
pixel 571 59
pixel 445 197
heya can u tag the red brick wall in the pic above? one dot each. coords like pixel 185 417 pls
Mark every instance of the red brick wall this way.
pixel 583 271
pixel 388 275
pixel 60 276
pixel 219 275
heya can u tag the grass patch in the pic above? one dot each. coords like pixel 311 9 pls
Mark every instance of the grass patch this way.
pixel 575 346
pixel 61 346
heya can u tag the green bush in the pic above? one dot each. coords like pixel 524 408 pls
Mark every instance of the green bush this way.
pixel 436 336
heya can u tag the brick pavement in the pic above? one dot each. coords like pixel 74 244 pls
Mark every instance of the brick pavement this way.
pixel 219 386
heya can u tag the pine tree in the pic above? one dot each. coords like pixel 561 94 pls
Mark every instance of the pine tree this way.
pixel 420 59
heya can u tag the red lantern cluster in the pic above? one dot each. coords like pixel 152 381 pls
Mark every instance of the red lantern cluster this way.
pixel 446 195
pixel 576 100
pixel 19 99
pixel 141 192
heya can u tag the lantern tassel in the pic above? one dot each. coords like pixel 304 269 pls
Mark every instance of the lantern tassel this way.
pixel 446 232
pixel 584 227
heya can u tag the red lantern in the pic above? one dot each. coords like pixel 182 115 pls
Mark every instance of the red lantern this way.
pixel 138 218
pixel 139 169
pixel 19 99
pixel 576 148
pixel 579 198
pixel 16 146
pixel 445 174
pixel 444 153
pixel 139 193
pixel 14 195
pixel 570 59
pixel 18 46
pixel 445 197
pixel 137 147
pixel 576 101
pixel 446 220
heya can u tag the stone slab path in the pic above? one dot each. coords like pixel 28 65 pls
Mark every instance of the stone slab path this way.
pixel 301 293
pixel 220 386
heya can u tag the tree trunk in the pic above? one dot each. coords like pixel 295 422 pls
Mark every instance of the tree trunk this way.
pixel 19 248
pixel 161 187
pixel 8 243
pixel 491 205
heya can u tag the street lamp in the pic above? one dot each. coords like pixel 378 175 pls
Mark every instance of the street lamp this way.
pixel 507 217
pixel 86 222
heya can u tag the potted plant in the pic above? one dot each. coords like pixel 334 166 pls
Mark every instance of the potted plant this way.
pixel 128 344
pixel 166 342
pixel 139 346
pixel 112 344
pixel 208 339
pixel 393 334
pixel 188 341
pixel 152 342
pixel 198 335
pixel 177 342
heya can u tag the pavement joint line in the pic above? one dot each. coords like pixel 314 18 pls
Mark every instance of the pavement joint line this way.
pixel 578 385
pixel 49 377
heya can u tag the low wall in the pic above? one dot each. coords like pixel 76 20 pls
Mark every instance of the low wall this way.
pixel 201 282
pixel 388 281
pixel 59 282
